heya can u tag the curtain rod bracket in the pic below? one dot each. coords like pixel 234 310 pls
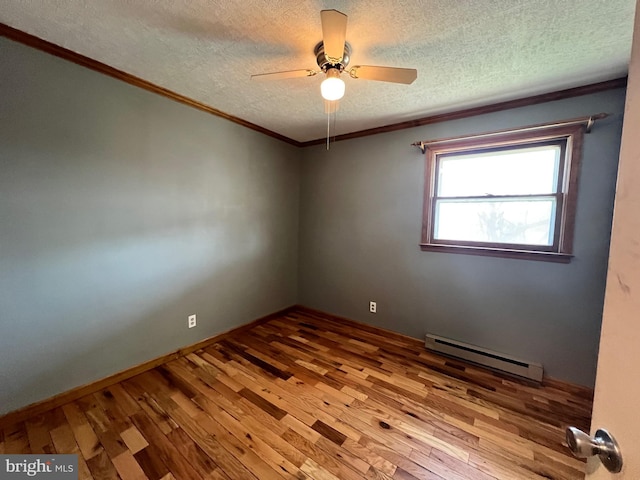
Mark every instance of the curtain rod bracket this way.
pixel 421 145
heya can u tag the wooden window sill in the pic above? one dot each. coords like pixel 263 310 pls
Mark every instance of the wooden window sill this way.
pixel 498 252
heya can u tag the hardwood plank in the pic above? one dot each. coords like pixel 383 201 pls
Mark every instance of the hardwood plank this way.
pixel 101 467
pixel 316 472
pixel 16 439
pixel 233 467
pixel 306 395
pixel 85 436
pixel 149 405
pixel 343 455
pixel 246 456
pixel 374 474
pixel 105 429
pixel 50 403
pixel 328 432
pixel 172 458
pixel 151 463
pixel 251 439
pixel 301 429
pixel 329 462
pixel 65 442
pixel 378 463
pixel 127 467
pixel 38 434
pixel 264 404
pixel 267 430
pixel 134 440
pixel 448 467
pixel 241 408
pixel 196 457
pixel 402 474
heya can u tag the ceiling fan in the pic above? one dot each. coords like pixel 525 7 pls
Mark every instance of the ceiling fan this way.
pixel 333 54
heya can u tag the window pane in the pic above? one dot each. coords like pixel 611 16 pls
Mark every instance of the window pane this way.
pixel 521 171
pixel 509 221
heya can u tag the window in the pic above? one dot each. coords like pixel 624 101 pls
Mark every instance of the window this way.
pixel 510 194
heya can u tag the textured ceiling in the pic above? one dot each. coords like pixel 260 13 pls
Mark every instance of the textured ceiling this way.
pixel 467 52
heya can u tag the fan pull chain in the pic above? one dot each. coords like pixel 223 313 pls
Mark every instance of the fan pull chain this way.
pixel 328 123
pixel 335 119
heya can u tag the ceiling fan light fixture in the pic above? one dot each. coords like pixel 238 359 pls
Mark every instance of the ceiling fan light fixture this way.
pixel 332 87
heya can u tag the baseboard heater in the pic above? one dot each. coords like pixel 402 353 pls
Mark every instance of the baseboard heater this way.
pixel 482 356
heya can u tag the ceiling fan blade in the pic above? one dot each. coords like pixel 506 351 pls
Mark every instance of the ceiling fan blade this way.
pixel 384 74
pixel 334 34
pixel 284 75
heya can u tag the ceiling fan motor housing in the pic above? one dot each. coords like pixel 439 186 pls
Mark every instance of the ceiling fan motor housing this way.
pixel 325 63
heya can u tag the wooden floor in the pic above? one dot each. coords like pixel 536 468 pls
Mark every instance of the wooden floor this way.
pixel 310 396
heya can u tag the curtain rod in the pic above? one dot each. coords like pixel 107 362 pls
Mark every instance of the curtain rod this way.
pixel 587 121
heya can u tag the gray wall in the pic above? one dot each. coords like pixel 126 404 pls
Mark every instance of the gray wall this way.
pixel 121 213
pixel 360 221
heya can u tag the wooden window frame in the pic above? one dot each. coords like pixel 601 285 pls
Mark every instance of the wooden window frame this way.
pixel 569 136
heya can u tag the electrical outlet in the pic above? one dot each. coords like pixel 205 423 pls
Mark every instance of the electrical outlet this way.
pixel 373 307
pixel 192 321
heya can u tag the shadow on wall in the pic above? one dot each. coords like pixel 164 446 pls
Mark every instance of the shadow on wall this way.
pixel 121 213
pixel 100 327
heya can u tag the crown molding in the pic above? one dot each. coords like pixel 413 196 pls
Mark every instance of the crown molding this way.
pixel 58 51
pixel 53 49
